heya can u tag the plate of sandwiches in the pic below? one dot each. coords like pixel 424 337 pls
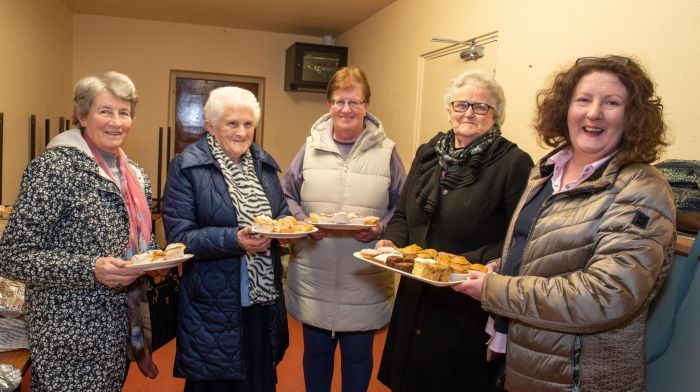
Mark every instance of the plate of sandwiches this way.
pixel 172 255
pixel 287 227
pixel 426 265
pixel 342 221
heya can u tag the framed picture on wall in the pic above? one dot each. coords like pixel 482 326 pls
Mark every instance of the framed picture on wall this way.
pixel 189 91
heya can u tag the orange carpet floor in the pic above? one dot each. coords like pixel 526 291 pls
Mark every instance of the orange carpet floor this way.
pixel 289 372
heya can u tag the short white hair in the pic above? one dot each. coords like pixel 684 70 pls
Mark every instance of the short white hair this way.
pixel 230 98
pixel 480 79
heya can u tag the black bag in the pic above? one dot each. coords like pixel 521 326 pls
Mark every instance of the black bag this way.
pixel 163 300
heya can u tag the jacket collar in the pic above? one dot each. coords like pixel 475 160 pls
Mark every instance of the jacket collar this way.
pixel 603 176
pixel 73 138
pixel 322 134
pixel 198 154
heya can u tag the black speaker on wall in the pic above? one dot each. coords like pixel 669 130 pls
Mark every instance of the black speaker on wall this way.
pixel 309 67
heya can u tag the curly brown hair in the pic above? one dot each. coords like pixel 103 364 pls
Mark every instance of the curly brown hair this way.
pixel 349 77
pixel 644 135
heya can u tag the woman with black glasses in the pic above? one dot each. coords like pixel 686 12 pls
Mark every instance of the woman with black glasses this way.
pixel 592 238
pixel 459 195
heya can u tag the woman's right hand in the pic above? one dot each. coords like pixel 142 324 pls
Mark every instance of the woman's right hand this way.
pixel 110 272
pixel 319 234
pixel 381 243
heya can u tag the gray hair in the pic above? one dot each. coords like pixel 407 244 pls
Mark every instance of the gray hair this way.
pixel 482 80
pixel 90 86
pixel 230 98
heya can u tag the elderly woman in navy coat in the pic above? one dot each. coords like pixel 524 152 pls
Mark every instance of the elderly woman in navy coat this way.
pixel 232 326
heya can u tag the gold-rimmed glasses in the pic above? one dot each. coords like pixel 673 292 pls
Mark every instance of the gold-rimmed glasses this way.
pixel 593 60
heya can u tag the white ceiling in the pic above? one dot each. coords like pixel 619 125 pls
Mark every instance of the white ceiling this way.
pixel 304 17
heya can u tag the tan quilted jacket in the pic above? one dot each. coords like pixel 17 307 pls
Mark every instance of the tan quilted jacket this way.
pixel 595 257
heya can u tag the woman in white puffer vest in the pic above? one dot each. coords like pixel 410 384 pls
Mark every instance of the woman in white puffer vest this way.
pixel 346 165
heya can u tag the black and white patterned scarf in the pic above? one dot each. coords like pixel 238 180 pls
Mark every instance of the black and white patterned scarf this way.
pixel 452 158
pixel 249 200
pixel 452 168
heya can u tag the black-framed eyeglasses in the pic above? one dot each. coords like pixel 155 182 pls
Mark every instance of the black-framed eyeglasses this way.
pixel 596 60
pixel 340 103
pixel 463 106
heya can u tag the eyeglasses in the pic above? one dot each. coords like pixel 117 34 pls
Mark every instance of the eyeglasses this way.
pixel 596 60
pixel 340 103
pixel 463 106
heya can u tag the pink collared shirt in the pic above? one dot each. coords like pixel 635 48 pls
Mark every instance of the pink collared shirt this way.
pixel 497 341
pixel 561 159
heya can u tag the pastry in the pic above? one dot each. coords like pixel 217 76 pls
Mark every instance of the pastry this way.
pixel 288 224
pixel 370 220
pixel 388 249
pixel 430 269
pixel 392 260
pixel 369 253
pixel 459 264
pixel 411 249
pixel 405 267
pixel 175 250
pixel 340 218
pixel 427 254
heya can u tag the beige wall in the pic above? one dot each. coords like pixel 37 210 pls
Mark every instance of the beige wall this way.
pixel 147 51
pixel 535 39
pixel 46 48
pixel 35 78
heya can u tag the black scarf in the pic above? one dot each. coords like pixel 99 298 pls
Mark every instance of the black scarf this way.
pixel 461 166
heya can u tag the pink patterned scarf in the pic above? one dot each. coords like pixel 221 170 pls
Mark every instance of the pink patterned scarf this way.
pixel 139 212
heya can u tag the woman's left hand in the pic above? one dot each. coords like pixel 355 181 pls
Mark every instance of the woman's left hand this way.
pixel 251 242
pixel 471 287
pixel 367 235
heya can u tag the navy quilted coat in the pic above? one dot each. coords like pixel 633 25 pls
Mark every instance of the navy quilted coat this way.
pixel 198 212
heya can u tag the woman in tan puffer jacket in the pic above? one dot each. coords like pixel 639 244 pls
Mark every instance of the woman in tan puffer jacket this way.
pixel 591 241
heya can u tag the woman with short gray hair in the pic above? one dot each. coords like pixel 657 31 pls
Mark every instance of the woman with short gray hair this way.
pixel 82 210
pixel 462 188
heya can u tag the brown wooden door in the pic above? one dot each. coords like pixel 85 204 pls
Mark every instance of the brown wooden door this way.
pixel 190 97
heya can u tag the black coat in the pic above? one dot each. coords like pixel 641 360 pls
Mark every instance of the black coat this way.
pixel 436 339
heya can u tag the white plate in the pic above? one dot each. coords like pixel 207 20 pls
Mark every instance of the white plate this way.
pixel 297 234
pixel 342 226
pixel 154 265
pixel 408 274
